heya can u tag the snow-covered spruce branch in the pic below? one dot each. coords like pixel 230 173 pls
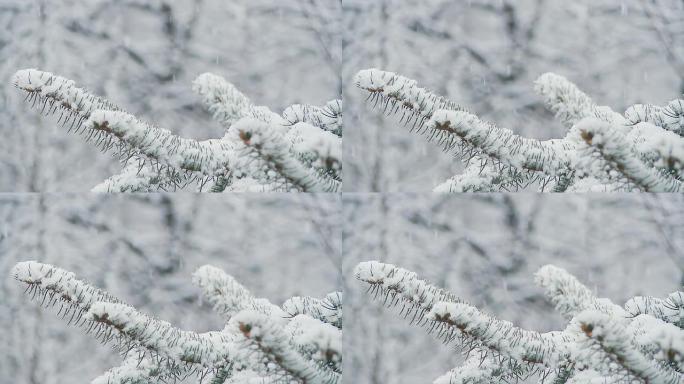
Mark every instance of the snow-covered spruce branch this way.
pixel 569 296
pixel 328 309
pixel 136 369
pixel 609 156
pixel 480 367
pixel 400 287
pixel 609 341
pixel 602 150
pixel 137 176
pixel 603 342
pixel 57 286
pixel 298 151
pixel 670 309
pixel 263 149
pixel 261 341
pixel 228 296
pixel 264 339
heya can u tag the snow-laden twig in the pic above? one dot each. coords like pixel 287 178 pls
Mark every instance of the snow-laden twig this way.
pixel 607 340
pixel 136 369
pixel 328 117
pixel 569 103
pixel 208 349
pixel 670 309
pixel 328 310
pixel 459 129
pixel 51 94
pixel 265 153
pixel 481 174
pixel 463 320
pixel 319 149
pixel 270 342
pixel 482 368
pixel 57 286
pixel 400 287
pixel 207 157
pixel 226 103
pixel 401 95
pixel 662 340
pixel 570 296
pixel 670 117
pixel 318 340
pixel 227 296
pixel 142 177
pixel 607 154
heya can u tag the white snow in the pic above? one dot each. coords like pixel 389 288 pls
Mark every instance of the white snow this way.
pixel 391 279
pixel 271 341
pixel 207 157
pixel 608 154
pixel 308 140
pixel 134 370
pixel 499 335
pixel 208 349
pixel 328 310
pixel 499 143
pixel 226 103
pixel 402 91
pixel 322 340
pixel 134 177
pixel 328 118
pixel 60 89
pixel 228 296
pixel 265 155
pixel 569 296
pixel 64 284
pixel 569 103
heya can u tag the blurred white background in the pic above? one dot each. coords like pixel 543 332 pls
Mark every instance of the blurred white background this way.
pixel 486 249
pixel 143 56
pixel 144 250
pixel 485 55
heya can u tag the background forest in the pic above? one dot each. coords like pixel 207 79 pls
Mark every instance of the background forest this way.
pixel 143 55
pixel 144 250
pixel 485 55
pixel 485 249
